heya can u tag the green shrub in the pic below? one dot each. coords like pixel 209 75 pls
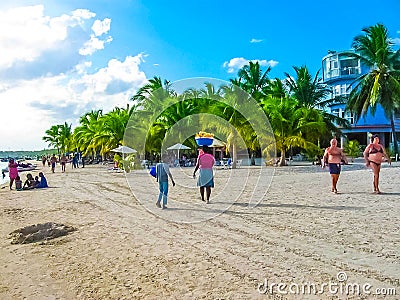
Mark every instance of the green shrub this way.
pixel 353 149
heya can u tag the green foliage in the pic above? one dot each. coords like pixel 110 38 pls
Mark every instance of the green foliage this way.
pixel 314 152
pixel 353 148
pixel 390 152
pixel 60 137
pixel 294 107
pixel 382 84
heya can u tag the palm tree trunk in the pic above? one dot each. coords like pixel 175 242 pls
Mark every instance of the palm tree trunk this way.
pixel 282 161
pixel 395 145
pixel 234 155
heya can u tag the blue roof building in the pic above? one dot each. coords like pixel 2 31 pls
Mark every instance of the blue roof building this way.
pixel 339 71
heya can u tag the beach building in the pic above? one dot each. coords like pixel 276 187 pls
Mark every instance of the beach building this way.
pixel 339 72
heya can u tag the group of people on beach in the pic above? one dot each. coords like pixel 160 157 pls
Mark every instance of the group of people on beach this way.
pixel 205 164
pixel 38 182
pixel 373 155
pixel 62 160
pixel 333 158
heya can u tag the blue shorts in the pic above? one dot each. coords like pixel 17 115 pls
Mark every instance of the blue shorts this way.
pixel 206 178
pixel 334 168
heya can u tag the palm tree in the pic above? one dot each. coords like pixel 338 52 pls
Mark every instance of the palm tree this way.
pixel 381 84
pixel 253 80
pixel 311 93
pixel 84 135
pixel 52 137
pixel 65 136
pixel 235 100
pixel 277 89
pixel 352 149
pixel 292 123
pixel 59 136
pixel 153 94
pixel 112 132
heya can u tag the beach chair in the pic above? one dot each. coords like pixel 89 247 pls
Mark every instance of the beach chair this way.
pixel 224 164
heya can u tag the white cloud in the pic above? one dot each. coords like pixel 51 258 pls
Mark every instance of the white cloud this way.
pixel 33 44
pixel 32 106
pixel 79 14
pixel 93 45
pixel 255 41
pixel 101 27
pixel 26 33
pixel 45 79
pixel 239 62
pixel 396 41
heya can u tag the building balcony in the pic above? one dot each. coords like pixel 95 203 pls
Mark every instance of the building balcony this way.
pixel 343 73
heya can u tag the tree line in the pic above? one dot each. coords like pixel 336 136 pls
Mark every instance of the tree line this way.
pixel 295 106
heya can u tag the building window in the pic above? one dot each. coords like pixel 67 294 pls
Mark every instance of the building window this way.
pixel 349 66
pixel 345 89
pixel 336 90
pixel 332 66
pixel 350 117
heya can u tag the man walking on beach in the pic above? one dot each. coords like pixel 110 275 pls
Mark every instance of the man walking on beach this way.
pixel 162 173
pixel 53 160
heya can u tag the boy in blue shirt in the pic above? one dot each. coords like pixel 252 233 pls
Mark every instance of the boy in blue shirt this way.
pixel 43 182
pixel 162 173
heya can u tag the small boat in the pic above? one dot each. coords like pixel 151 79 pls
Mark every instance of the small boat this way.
pixel 22 168
pixel 27 168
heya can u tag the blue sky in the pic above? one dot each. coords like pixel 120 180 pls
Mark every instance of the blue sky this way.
pixel 61 59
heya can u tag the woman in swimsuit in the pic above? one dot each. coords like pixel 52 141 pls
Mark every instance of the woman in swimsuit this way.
pixel 373 155
pixel 333 157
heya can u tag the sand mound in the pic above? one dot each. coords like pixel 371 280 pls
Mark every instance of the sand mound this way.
pixel 39 232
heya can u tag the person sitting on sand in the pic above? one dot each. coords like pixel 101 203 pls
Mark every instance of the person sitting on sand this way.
pixel 18 183
pixel 29 182
pixel 37 182
pixel 43 182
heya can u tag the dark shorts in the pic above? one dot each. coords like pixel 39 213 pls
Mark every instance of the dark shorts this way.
pixel 334 168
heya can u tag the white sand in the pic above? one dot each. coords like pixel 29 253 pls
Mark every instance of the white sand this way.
pixel 300 232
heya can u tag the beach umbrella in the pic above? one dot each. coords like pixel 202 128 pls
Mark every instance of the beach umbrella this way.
pixel 178 147
pixel 217 144
pixel 124 150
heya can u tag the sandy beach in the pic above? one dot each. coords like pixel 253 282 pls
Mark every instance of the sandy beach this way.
pixel 125 248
